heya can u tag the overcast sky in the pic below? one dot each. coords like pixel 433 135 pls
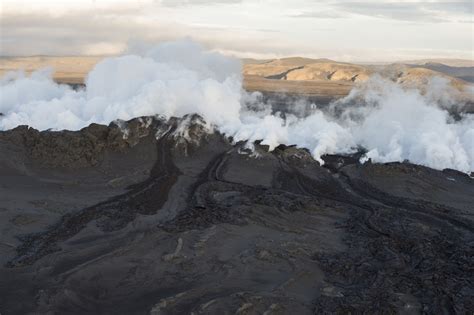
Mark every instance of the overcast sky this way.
pixel 344 30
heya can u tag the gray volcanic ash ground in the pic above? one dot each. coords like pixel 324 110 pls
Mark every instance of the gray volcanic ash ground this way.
pixel 174 191
pixel 163 222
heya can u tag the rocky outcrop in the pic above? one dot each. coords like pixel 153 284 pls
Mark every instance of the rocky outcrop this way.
pixel 208 226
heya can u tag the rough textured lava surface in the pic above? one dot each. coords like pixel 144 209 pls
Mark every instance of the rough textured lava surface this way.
pixel 155 216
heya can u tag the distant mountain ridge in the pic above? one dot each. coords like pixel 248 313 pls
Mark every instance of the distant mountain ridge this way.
pixel 464 73
pixel 444 61
pixel 293 75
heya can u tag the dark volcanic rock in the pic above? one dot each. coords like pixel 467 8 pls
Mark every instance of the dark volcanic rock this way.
pixel 164 217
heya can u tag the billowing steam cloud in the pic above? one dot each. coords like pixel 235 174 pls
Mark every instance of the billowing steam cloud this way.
pixel 178 78
pixel 174 79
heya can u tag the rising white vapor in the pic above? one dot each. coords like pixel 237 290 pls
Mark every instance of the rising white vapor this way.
pixel 178 78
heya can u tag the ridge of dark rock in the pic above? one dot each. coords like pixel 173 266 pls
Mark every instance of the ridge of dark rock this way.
pixel 166 216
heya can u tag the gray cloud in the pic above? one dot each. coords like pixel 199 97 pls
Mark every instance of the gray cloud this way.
pixel 420 11
pixel 71 34
pixel 108 31
pixel 78 34
pixel 319 15
pixel 177 3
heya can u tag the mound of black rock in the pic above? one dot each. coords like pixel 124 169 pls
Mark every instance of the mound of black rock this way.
pixel 157 216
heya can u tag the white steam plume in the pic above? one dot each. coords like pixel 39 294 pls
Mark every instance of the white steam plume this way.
pixel 178 78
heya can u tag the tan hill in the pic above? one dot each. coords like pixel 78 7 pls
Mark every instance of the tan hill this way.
pixel 295 75
pixel 330 71
pixel 464 73
pixel 321 90
pixel 266 71
pixel 70 69
pixel 250 61
pixel 421 76
pixel 303 69
pixel 295 61
pixel 444 61
pixel 323 70
pixel 278 68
